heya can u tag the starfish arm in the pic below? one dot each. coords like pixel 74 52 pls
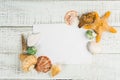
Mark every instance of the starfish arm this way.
pixel 98 38
pixel 88 26
pixel 97 16
pixel 106 15
pixel 112 30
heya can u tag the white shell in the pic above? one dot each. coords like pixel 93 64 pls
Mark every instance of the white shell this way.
pixel 75 22
pixel 33 39
pixel 94 47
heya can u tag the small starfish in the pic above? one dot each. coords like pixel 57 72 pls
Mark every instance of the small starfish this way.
pixel 100 25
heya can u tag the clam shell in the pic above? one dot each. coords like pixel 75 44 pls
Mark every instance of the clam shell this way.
pixel 43 64
pixel 94 47
pixel 33 39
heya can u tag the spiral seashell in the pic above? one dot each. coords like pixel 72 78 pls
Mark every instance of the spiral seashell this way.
pixel 27 61
pixel 43 64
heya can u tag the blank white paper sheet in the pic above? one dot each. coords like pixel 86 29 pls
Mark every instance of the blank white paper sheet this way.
pixel 63 44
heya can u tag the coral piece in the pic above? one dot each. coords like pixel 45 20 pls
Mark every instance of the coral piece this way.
pixel 70 17
pixel 87 18
pixel 55 70
pixel 100 25
pixel 28 61
pixel 43 64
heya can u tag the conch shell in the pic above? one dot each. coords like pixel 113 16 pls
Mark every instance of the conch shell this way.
pixel 43 64
pixel 28 61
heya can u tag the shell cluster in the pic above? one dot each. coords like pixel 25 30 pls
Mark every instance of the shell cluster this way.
pixel 85 19
pixel 29 61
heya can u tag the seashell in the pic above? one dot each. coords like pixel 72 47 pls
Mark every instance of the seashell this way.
pixel 28 62
pixel 71 17
pixel 43 64
pixel 55 70
pixel 90 34
pixel 75 22
pixel 94 47
pixel 87 18
pixel 33 39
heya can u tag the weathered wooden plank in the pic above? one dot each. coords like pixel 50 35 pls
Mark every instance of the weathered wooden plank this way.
pixel 103 64
pixel 10 48
pixel 29 12
pixel 10 38
pixel 111 42
pixel 19 13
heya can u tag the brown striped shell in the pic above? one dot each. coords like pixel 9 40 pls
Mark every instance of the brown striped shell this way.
pixel 43 64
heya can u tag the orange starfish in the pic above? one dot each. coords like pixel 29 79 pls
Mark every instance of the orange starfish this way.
pixel 100 25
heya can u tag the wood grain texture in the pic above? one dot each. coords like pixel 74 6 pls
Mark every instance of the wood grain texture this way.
pixel 30 12
pixel 18 16
pixel 103 64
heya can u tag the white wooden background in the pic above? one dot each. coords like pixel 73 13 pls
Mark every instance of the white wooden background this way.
pixel 18 16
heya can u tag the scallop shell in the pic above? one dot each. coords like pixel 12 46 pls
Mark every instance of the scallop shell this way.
pixel 33 39
pixel 71 17
pixel 55 70
pixel 94 47
pixel 28 61
pixel 43 64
